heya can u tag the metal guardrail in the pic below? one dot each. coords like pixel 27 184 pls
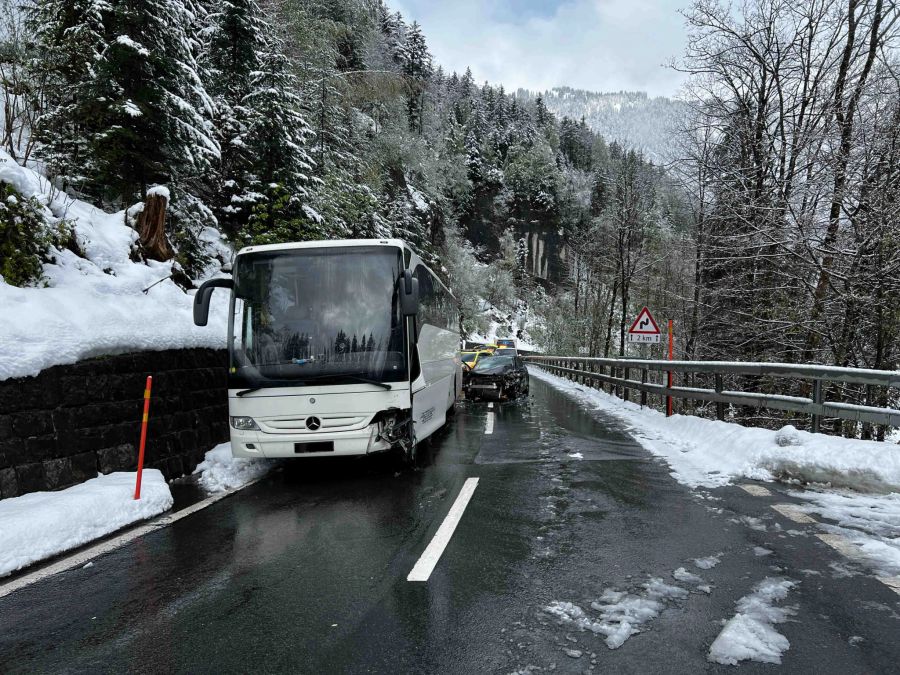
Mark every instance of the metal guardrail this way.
pixel 593 369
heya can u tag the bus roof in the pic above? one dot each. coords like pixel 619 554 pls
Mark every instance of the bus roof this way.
pixel 325 243
pixel 347 243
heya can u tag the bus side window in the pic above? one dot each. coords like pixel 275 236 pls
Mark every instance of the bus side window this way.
pixel 426 298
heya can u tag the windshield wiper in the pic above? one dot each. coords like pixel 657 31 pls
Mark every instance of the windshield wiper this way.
pixel 320 378
pixel 356 378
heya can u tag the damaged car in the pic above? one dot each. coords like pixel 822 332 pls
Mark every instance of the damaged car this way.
pixel 498 378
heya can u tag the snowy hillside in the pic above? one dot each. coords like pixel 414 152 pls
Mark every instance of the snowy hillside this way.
pixel 94 304
pixel 629 117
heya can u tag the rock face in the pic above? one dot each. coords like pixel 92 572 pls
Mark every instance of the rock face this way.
pixel 71 422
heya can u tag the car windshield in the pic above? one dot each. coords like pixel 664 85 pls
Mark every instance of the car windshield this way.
pixel 489 362
pixel 321 314
pixel 468 358
pixel 505 352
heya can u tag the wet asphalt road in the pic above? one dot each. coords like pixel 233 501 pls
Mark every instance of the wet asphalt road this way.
pixel 306 571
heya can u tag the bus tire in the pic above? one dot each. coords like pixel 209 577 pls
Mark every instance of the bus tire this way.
pixel 451 411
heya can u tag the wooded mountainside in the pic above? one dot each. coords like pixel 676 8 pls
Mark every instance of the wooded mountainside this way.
pixel 769 233
pixel 630 118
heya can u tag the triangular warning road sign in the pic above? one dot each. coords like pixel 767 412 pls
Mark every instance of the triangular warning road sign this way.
pixel 644 324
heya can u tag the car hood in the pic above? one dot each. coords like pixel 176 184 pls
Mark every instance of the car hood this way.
pixel 499 370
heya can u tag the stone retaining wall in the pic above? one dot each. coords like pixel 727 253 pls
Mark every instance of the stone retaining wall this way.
pixel 70 422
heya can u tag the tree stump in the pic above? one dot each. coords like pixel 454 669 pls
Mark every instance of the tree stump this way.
pixel 151 227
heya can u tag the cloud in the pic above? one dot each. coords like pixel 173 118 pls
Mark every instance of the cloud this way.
pixel 602 45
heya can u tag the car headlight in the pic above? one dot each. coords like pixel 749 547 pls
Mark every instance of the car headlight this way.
pixel 244 424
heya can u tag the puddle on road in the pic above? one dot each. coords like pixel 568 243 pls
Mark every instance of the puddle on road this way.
pixel 186 492
pixel 550 426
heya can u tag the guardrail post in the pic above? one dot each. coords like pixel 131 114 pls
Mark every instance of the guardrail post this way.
pixel 720 406
pixel 817 399
pixel 625 385
pixel 620 374
pixel 643 392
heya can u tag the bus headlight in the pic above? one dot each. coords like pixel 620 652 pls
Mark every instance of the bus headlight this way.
pixel 244 424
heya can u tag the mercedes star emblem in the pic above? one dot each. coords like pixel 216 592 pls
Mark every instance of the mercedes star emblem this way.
pixel 313 423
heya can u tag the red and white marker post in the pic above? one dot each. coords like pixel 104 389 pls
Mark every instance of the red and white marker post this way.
pixel 140 466
pixel 671 358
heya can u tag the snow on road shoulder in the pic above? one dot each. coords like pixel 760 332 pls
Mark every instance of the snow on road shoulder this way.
pixel 95 305
pixel 871 522
pixel 39 525
pixel 749 634
pixel 709 453
pixel 220 471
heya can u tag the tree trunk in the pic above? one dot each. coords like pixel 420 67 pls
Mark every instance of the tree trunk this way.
pixel 151 227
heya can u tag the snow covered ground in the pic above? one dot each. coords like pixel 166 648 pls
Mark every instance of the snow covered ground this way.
pixel 495 331
pixel 219 471
pixel 95 305
pixel 855 483
pixel 42 524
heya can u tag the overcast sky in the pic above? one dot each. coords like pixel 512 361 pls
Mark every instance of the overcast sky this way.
pixel 602 45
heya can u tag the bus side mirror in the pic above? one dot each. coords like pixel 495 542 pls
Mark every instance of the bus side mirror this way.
pixel 409 294
pixel 201 299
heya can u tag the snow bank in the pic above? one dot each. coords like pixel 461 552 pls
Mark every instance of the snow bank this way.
pixel 749 634
pixel 42 524
pixel 710 453
pixel 219 471
pixel 95 305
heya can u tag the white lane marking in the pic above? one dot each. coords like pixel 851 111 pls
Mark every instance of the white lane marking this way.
pixel 891 582
pixel 842 545
pixel 81 558
pixel 755 490
pixel 425 565
pixel 490 406
pixel 489 423
pixel 793 512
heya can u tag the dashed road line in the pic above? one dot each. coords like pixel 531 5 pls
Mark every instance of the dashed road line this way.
pixel 489 424
pixel 836 541
pixel 491 405
pixel 793 512
pixel 755 490
pixel 891 582
pixel 842 545
pixel 423 568
pixel 81 558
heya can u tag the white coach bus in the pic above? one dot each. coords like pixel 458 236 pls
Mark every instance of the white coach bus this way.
pixel 336 348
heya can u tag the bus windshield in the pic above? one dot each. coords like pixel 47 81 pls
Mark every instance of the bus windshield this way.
pixel 317 316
